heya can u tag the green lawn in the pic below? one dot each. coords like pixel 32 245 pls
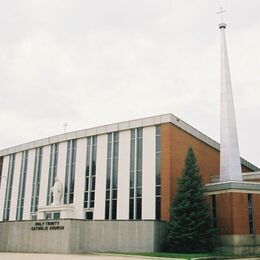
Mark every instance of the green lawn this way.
pixel 185 256
pixel 172 255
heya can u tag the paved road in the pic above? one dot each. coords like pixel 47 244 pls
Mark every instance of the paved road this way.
pixel 25 256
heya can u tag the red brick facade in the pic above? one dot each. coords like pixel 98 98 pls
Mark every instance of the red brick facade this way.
pixel 233 216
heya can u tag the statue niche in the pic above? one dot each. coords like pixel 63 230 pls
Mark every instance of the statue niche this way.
pixel 57 192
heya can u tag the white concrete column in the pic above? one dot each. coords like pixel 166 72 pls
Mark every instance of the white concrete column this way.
pixel 16 179
pixel 46 153
pixel 100 193
pixel 148 181
pixel 61 166
pixel 123 175
pixel 80 178
pixel 28 185
pixel 3 185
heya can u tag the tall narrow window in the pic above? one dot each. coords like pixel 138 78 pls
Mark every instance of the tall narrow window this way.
pixel 70 172
pixel 213 211
pixel 112 176
pixel 9 187
pixel 1 167
pixel 52 171
pixel 135 200
pixel 250 213
pixel 90 177
pixel 36 181
pixel 158 174
pixel 21 191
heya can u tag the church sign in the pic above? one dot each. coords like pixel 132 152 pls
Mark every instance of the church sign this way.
pixel 47 225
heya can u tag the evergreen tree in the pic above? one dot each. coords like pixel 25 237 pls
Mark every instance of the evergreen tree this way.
pixel 190 228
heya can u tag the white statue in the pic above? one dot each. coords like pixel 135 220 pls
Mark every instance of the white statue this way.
pixel 57 192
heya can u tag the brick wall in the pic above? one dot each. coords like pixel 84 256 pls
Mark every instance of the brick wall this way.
pixel 256 210
pixel 174 146
pixel 232 213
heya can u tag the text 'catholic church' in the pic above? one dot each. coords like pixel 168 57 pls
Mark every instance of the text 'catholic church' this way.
pixel 110 188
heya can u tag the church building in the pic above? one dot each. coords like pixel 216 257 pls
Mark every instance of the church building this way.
pixel 110 188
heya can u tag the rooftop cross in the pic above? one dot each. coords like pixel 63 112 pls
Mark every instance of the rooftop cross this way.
pixel 221 13
pixel 65 127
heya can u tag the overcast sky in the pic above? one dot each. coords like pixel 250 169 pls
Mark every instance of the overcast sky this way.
pixel 94 62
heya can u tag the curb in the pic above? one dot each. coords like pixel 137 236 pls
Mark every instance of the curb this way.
pixel 138 256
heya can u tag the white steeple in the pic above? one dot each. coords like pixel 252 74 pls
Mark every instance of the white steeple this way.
pixel 230 166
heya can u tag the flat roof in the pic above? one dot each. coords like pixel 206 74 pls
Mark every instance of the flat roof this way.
pixel 235 186
pixel 125 125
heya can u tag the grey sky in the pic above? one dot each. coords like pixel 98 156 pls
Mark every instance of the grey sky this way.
pixel 93 62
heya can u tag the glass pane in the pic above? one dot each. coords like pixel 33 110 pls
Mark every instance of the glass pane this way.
pixel 158 208
pixel 131 209
pixel 158 190
pixel 139 155
pixel 250 213
pixel 68 155
pixel 109 137
pixel 139 179
pixel 158 179
pixel 131 179
pixel 114 208
pixel 114 194
pixel 72 185
pixel 109 150
pixel 132 157
pixel 92 196
pixel 138 208
pixel 115 164
pixel 251 228
pixel 94 140
pixel 34 217
pixel 56 215
pixel 132 133
pixel 66 188
pixel 94 153
pixel 89 215
pixel 158 130
pixel 115 177
pixel 250 200
pixel 107 210
pixel 47 215
pixel 116 145
pixel 139 132
pixel 132 192
pixel 93 168
pixel 93 183
pixel 86 186
pixel 158 144
pixel 116 137
pixel 139 192
pixel 71 198
pixel 108 177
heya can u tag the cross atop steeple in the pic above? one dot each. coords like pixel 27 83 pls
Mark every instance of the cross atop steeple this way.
pixel 221 13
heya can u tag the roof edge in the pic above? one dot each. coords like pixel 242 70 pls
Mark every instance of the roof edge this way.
pixel 121 126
